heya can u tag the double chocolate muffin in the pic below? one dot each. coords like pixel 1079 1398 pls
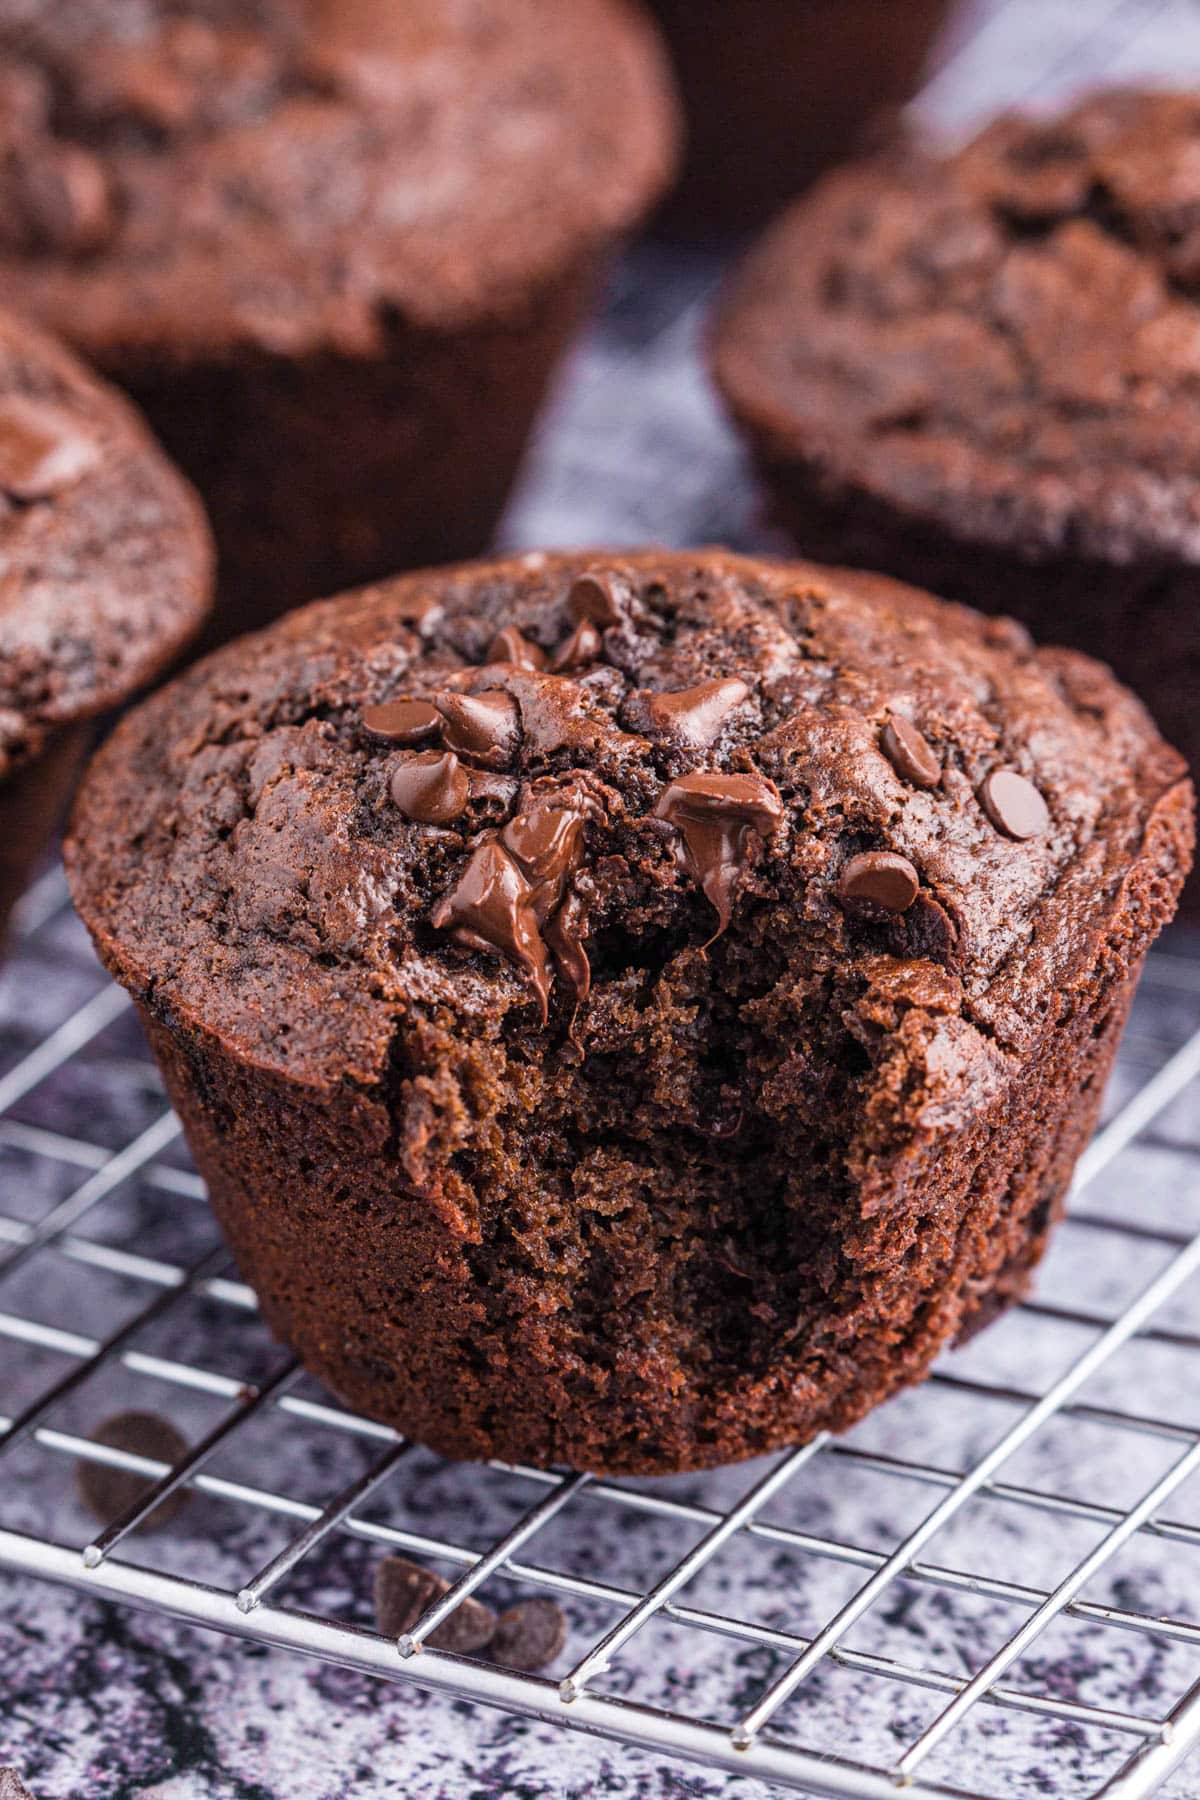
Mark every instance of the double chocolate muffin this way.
pixel 632 1013
pixel 775 91
pixel 982 374
pixel 331 247
pixel 105 574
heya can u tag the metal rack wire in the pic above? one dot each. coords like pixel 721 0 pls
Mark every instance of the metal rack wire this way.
pixel 763 1735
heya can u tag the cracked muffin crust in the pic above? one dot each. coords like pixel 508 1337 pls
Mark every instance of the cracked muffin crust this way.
pixel 632 1011
pixel 982 373
pixel 332 247
pixel 105 574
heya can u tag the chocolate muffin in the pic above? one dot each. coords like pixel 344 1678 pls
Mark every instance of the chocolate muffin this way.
pixel 775 91
pixel 632 1013
pixel 983 374
pixel 331 247
pixel 105 573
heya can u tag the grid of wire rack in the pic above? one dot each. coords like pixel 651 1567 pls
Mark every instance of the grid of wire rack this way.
pixel 1035 1505
pixel 100 1215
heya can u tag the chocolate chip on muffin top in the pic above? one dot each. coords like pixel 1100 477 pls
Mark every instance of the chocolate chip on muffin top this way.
pixel 414 798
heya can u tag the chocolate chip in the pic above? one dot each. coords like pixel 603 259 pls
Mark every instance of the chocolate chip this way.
pixel 931 931
pixel 909 753
pixel 717 816
pixel 44 449
pixel 1014 805
pixel 878 879
pixel 691 717
pixel 12 1787
pixel 512 897
pixel 585 645
pixel 432 788
pixel 110 1492
pixel 404 1591
pixel 529 1635
pixel 402 721
pixel 66 199
pixel 599 597
pixel 489 909
pixel 485 727
pixel 508 646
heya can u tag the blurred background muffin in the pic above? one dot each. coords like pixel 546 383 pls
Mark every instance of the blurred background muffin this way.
pixel 980 372
pixel 777 90
pixel 332 249
pixel 105 575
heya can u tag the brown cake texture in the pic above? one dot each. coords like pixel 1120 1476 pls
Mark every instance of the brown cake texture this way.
pixel 332 248
pixel 105 574
pixel 982 374
pixel 775 91
pixel 632 1012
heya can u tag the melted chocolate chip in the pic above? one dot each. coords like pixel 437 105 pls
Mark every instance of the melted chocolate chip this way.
pixel 44 449
pixel 529 1635
pixel 545 837
pixel 404 1591
pixel 564 933
pixel 1014 805
pixel 909 753
pixel 585 645
pixel 403 721
pixel 508 646
pixel 600 597
pixel 431 788
pixel 514 890
pixel 878 880
pixel 109 1492
pixel 691 718
pixel 717 817
pixel 485 727
pixel 489 909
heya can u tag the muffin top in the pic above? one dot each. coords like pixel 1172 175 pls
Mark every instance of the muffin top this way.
pixel 1006 342
pixel 187 176
pixel 105 560
pixel 513 796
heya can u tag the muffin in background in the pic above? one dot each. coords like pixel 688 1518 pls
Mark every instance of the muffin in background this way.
pixel 632 1011
pixel 105 576
pixel 982 373
pixel 775 91
pixel 332 248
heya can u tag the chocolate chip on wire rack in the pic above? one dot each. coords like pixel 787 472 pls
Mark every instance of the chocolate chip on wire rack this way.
pixel 404 1590
pixel 109 1492
pixel 529 1635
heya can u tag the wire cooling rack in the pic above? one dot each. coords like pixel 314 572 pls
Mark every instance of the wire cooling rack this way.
pixel 156 1317
pixel 990 1588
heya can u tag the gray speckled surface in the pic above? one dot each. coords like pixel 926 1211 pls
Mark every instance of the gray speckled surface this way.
pixel 98 1703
